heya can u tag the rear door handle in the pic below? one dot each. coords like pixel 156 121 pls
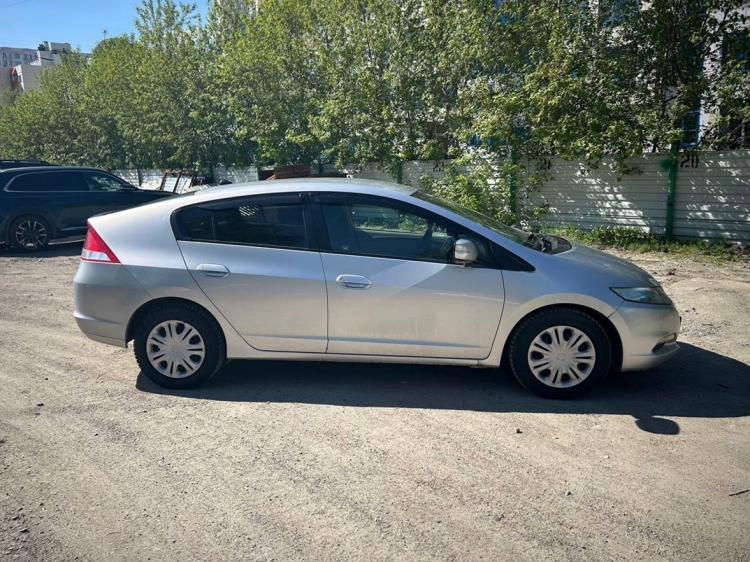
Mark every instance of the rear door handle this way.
pixel 353 282
pixel 212 270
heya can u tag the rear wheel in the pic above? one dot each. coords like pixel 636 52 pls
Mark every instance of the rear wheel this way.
pixel 29 234
pixel 560 353
pixel 179 346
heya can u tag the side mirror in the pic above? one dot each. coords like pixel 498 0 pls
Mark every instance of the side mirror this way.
pixel 465 251
pixel 128 187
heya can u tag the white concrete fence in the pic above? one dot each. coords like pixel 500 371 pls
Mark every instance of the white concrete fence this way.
pixel 711 192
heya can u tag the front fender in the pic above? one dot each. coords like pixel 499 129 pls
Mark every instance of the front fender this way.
pixel 523 297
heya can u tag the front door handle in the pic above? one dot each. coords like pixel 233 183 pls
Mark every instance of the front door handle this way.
pixel 212 270
pixel 353 282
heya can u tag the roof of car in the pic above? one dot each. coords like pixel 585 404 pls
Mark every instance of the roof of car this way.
pixel 6 164
pixel 371 187
pixel 49 168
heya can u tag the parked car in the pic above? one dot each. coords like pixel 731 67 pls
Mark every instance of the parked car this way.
pixel 285 270
pixel 43 203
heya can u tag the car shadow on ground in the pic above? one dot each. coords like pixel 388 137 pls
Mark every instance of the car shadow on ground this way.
pixel 696 383
pixel 54 250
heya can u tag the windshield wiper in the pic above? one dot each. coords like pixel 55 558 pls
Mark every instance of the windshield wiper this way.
pixel 540 239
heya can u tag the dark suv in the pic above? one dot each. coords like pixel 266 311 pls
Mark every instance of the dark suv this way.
pixel 39 204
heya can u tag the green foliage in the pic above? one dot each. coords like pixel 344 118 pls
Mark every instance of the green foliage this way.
pixel 151 100
pixel 389 81
pixel 482 181
pixel 475 182
pixel 637 240
pixel 622 237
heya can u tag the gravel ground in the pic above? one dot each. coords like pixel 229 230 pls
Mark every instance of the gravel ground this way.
pixel 300 461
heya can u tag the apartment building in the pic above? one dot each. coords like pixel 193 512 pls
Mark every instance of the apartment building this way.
pixel 21 67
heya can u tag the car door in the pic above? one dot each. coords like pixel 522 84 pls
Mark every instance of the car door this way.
pixel 256 258
pixel 393 288
pixel 62 195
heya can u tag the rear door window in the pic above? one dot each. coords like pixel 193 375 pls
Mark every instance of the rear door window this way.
pixel 264 225
pixel 197 224
pixel 47 182
pixel 275 222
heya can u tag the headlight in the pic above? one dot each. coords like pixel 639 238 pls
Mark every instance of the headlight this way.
pixel 646 295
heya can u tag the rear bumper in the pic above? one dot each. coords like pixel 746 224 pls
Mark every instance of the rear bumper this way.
pixel 643 330
pixel 103 339
pixel 105 296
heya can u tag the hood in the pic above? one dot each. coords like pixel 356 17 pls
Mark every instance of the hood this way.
pixel 620 271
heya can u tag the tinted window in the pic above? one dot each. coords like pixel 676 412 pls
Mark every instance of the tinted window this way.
pixel 102 182
pixel 48 181
pixel 266 225
pixel 394 232
pixel 195 223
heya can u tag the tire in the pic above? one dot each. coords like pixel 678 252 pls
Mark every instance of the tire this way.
pixel 165 329
pixel 29 233
pixel 547 339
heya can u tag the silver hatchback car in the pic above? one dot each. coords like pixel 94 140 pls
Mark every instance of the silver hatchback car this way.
pixel 350 270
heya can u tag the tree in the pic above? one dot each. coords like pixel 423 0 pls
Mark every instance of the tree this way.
pixel 22 127
pixel 48 123
pixel 493 84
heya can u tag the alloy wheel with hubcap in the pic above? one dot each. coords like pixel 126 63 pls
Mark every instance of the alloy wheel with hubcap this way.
pixel 29 234
pixel 560 352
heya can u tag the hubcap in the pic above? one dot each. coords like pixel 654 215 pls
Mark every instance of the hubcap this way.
pixel 175 349
pixel 561 356
pixel 31 234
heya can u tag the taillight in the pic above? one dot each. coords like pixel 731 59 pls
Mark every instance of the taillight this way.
pixel 95 249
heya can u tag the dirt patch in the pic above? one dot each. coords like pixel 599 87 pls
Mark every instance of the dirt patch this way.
pixel 313 461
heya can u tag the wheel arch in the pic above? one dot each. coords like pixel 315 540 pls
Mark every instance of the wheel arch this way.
pixel 30 212
pixel 148 306
pixel 612 334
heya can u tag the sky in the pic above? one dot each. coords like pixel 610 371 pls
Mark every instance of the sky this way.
pixel 26 23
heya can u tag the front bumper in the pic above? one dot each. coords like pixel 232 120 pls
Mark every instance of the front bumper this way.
pixel 642 329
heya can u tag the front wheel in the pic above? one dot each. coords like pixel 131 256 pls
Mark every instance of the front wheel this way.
pixel 560 353
pixel 29 234
pixel 179 346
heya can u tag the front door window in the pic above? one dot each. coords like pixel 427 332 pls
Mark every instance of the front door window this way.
pixel 393 230
pixel 102 182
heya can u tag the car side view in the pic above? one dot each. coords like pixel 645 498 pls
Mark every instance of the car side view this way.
pixel 355 270
pixel 41 203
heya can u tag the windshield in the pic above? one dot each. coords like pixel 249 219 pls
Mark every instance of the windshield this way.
pixel 495 225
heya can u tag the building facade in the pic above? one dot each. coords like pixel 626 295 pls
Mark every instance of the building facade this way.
pixel 20 67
